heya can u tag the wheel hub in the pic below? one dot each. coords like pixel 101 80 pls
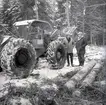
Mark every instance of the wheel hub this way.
pixel 58 55
pixel 21 57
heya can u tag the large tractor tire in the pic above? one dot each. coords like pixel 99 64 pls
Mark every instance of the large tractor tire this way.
pixel 56 54
pixel 18 57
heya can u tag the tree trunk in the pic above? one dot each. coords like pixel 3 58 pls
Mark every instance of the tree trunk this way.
pixel 37 16
pixel 67 12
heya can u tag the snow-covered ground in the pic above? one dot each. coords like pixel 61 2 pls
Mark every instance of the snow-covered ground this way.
pixel 95 52
pixel 48 73
pixel 44 71
pixel 92 52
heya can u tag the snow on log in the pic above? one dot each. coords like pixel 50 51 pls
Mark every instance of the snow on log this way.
pixel 32 84
pixel 63 77
pixel 20 86
pixel 91 76
pixel 80 75
pixel 47 94
pixel 72 72
pixel 28 86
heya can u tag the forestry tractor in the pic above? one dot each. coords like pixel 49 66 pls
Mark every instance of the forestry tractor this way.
pixel 29 40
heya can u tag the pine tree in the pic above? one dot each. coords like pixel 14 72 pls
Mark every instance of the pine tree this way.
pixel 14 10
pixel 44 11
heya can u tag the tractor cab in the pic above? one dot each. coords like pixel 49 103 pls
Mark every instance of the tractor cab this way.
pixel 33 30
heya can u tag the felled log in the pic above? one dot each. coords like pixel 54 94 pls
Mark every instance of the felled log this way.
pixel 100 86
pixel 64 77
pixel 32 84
pixel 80 75
pixel 29 87
pixel 46 94
pixel 91 76
pixel 26 86
pixel 71 73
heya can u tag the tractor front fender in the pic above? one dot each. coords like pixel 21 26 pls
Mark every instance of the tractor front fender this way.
pixel 4 40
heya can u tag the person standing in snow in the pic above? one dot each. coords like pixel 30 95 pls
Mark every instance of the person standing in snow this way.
pixel 80 47
pixel 70 45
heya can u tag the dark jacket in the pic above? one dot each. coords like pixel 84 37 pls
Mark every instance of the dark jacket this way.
pixel 80 44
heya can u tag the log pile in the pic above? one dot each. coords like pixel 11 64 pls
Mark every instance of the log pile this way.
pixel 63 78
pixel 91 76
pixel 77 78
pixel 88 82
